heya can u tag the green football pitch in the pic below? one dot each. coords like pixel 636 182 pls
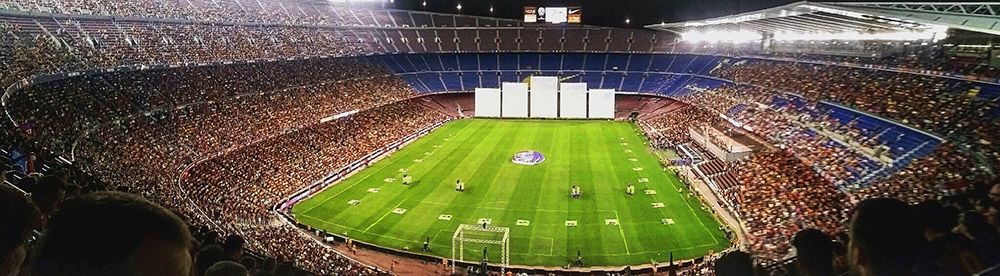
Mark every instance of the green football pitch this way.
pixel 532 201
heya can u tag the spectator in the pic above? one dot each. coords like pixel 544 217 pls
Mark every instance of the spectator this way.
pixel 113 233
pixel 947 253
pixel 48 193
pixel 737 263
pixel 886 237
pixel 18 216
pixel 232 249
pixel 814 253
pixel 227 268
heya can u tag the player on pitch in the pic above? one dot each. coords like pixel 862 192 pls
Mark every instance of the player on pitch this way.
pixel 459 186
pixel 630 189
pixel 406 179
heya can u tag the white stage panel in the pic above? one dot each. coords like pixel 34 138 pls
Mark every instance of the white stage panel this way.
pixel 573 104
pixel 544 104
pixel 573 87
pixel 515 100
pixel 544 84
pixel 487 102
pixel 602 103
pixel 544 97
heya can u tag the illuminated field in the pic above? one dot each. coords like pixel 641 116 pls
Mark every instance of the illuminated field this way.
pixel 599 156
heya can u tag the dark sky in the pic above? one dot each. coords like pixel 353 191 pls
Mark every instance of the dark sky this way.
pixel 602 12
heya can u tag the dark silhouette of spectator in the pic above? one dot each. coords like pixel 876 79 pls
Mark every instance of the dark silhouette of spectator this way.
pixel 814 253
pixel 736 263
pixel 113 233
pixel 267 268
pixel 947 253
pixel 886 236
pixel 17 217
pixel 207 256
pixel 227 268
pixel 985 238
pixel 232 249
pixel 47 193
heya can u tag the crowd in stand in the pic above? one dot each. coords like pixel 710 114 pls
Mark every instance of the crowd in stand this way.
pixel 938 105
pixel 149 152
pixel 277 95
pixel 798 184
pixel 914 58
pixel 124 235
pixel 67 45
pixel 269 11
pixel 140 129
pixel 953 235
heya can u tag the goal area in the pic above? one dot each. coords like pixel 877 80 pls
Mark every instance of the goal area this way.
pixel 471 234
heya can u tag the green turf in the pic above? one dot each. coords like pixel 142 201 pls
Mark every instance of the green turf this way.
pixel 599 156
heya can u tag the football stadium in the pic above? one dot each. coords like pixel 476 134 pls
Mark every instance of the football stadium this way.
pixel 513 137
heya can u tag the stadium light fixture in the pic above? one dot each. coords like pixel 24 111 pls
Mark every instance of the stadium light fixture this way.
pixel 628 21
pixel 934 33
pixel 491 9
pixel 424 4
pixel 459 7
pixel 721 36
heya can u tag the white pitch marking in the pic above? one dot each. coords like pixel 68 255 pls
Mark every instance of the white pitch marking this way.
pixel 418 160
pixel 444 217
pixel 637 169
pixel 643 180
pixel 354 202
pixel 399 211
pixel 611 221
pixel 628 151
pixel 658 205
pixel 389 179
pixel 650 192
pixel 633 159
pixel 374 190
pixel 570 223
pixel 522 222
pixel 667 221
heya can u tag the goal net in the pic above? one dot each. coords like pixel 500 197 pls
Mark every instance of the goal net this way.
pixel 475 236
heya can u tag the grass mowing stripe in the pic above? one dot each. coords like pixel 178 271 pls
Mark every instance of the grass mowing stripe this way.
pixel 587 153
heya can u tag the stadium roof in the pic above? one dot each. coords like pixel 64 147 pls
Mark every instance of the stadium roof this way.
pixel 861 17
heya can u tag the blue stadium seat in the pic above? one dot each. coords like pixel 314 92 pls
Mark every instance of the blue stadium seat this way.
pixel 638 62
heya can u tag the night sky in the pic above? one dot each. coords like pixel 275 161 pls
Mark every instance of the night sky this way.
pixel 601 12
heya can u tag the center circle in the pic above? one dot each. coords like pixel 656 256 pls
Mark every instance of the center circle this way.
pixel 528 157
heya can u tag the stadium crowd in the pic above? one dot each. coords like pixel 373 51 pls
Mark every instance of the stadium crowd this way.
pixel 801 183
pixel 940 105
pixel 150 152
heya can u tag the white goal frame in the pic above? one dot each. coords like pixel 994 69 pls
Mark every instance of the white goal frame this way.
pixel 458 241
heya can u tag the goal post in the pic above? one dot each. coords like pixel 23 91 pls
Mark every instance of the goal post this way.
pixel 477 234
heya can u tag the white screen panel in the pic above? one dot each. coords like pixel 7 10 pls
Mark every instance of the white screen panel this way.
pixel 544 84
pixel 544 104
pixel 544 97
pixel 487 102
pixel 602 103
pixel 573 87
pixel 515 100
pixel 573 104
